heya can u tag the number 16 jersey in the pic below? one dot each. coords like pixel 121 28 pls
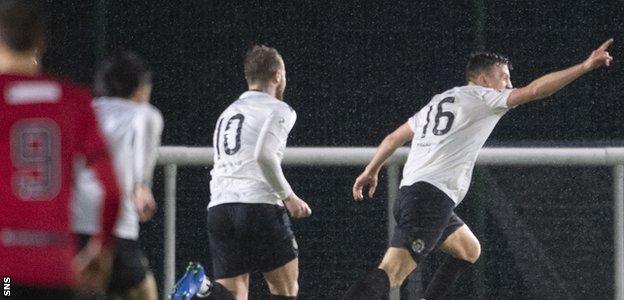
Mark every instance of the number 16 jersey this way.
pixel 249 142
pixel 448 134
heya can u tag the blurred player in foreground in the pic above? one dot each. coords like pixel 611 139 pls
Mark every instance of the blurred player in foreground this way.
pixel 248 227
pixel 46 124
pixel 446 137
pixel 132 127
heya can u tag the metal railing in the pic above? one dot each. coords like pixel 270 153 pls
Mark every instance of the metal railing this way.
pixel 173 156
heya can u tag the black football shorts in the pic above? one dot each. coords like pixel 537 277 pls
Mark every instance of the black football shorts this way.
pixel 248 238
pixel 425 218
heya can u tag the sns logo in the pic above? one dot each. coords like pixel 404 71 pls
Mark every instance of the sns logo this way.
pixel 6 283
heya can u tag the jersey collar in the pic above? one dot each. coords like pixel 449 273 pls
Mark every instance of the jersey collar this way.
pixel 256 94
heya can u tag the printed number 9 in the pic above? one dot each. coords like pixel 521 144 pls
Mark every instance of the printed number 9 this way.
pixel 35 153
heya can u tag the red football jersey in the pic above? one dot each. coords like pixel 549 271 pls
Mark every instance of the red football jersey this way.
pixel 45 124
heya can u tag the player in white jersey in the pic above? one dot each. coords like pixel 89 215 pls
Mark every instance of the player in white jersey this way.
pixel 132 128
pixel 248 227
pixel 446 137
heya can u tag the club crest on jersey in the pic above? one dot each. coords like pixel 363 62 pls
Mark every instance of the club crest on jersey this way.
pixel 418 246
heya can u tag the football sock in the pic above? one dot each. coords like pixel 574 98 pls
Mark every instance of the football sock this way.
pixel 213 290
pixel 370 287
pixel 445 277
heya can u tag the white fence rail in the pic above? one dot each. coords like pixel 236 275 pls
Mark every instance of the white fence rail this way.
pixel 173 156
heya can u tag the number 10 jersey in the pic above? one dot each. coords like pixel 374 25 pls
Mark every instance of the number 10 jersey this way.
pixel 249 142
pixel 448 134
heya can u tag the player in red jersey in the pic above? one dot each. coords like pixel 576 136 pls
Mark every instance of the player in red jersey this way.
pixel 45 125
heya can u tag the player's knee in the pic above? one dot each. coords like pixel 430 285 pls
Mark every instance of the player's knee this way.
pixel 287 288
pixel 472 252
pixel 396 279
pixel 396 274
pixel 239 292
pixel 398 264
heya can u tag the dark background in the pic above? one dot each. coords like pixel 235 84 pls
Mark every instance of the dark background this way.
pixel 356 70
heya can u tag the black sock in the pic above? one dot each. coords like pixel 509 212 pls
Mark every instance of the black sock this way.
pixel 445 277
pixel 219 292
pixel 370 287
pixel 277 297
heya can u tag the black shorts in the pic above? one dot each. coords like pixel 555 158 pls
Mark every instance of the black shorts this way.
pixel 425 218
pixel 130 265
pixel 248 238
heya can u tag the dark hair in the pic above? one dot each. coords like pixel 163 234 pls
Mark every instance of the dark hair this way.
pixel 120 74
pixel 21 25
pixel 261 62
pixel 482 61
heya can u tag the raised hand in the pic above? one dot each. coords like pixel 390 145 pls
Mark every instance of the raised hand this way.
pixel 599 57
pixel 365 179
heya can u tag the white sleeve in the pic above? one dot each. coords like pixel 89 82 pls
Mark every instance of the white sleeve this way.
pixel 271 142
pixel 148 127
pixel 412 122
pixel 495 98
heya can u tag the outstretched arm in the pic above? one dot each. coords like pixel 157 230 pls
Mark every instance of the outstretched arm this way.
pixel 387 147
pixel 553 82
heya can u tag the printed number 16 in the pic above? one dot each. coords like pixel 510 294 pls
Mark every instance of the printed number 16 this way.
pixel 450 117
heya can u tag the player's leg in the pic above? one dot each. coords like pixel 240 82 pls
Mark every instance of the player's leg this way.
pixel 145 290
pixel 422 213
pixel 396 265
pixel 238 286
pixel 463 249
pixel 131 277
pixel 283 282
pixel 230 261
pixel 462 244
pixel 273 248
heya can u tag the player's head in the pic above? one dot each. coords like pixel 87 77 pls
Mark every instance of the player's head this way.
pixel 264 69
pixel 21 28
pixel 124 75
pixel 489 69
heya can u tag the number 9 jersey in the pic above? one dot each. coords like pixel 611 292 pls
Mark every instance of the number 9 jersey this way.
pixel 45 126
pixel 448 134
pixel 249 142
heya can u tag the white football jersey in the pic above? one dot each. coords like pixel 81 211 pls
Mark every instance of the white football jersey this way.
pixel 132 132
pixel 448 134
pixel 249 142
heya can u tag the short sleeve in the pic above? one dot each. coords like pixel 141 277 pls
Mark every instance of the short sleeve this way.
pixel 412 122
pixel 495 98
pixel 418 119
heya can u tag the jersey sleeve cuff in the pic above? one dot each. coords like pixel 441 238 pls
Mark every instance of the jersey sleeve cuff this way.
pixel 285 194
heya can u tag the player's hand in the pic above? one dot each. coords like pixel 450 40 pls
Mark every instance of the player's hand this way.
pixel 92 268
pixel 599 57
pixel 144 202
pixel 297 207
pixel 365 179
